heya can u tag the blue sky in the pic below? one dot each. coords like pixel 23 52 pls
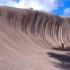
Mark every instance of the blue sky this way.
pixel 61 7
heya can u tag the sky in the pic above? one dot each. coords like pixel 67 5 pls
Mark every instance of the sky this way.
pixel 61 7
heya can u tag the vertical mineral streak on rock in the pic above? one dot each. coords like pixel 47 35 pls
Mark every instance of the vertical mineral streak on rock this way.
pixel 33 22
pixel 68 31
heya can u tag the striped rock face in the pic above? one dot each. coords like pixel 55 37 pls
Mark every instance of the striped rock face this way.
pixel 25 36
pixel 51 28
